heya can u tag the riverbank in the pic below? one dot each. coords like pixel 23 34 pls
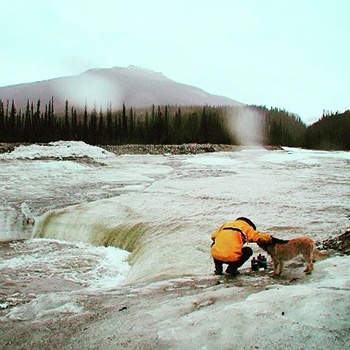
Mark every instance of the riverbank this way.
pixel 188 148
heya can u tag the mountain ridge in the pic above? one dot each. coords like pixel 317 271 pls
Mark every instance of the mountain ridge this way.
pixel 135 86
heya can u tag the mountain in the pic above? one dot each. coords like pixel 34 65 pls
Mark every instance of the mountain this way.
pixel 137 87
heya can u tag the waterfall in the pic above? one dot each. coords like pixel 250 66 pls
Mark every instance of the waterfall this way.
pixel 96 223
pixel 158 249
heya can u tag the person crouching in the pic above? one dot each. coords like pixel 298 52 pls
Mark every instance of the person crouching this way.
pixel 228 244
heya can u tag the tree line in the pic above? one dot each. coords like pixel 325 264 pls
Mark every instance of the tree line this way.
pixel 157 125
pixel 154 125
pixel 331 132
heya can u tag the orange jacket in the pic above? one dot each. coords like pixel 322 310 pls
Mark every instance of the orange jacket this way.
pixel 228 243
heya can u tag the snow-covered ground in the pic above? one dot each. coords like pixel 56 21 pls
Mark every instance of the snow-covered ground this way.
pixel 119 245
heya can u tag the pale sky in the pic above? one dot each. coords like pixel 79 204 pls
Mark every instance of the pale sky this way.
pixel 291 54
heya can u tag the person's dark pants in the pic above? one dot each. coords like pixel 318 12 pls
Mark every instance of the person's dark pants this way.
pixel 247 252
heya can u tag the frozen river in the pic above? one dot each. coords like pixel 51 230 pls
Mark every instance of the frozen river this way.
pixel 87 220
pixel 162 209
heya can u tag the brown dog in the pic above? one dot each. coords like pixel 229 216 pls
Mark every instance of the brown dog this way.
pixel 286 250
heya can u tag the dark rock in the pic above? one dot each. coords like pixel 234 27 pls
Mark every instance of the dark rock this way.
pixel 339 243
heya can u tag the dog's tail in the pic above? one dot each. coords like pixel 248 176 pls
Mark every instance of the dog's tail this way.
pixel 317 255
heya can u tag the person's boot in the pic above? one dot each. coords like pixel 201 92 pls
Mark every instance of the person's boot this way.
pixel 232 271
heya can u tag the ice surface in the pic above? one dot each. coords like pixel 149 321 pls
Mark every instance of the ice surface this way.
pixel 312 316
pixel 163 209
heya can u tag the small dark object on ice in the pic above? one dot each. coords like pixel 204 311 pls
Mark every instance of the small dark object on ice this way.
pixel 293 279
pixel 259 262
pixel 254 263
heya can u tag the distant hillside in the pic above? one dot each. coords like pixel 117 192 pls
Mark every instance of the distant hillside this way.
pixel 134 86
pixel 331 132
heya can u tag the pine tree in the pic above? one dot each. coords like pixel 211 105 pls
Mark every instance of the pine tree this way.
pixel 109 131
pixel 28 127
pixel 101 132
pixel 67 124
pixel 93 139
pixel 11 125
pixel 2 122
pixel 85 133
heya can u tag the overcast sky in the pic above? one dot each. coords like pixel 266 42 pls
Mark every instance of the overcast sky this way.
pixel 291 54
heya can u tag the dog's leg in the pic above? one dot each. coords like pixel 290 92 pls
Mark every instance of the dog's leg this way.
pixel 277 267
pixel 281 267
pixel 309 264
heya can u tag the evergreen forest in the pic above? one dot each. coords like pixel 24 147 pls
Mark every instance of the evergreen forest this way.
pixel 170 125
pixel 331 132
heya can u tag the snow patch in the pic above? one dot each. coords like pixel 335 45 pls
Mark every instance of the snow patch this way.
pixel 60 150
